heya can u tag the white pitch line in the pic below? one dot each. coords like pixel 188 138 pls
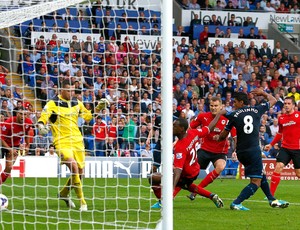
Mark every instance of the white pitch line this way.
pixel 250 200
pixel 72 220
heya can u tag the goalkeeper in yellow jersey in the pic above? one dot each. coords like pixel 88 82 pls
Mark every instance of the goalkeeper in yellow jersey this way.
pixel 62 113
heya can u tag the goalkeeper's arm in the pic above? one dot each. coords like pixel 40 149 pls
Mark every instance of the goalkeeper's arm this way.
pixel 103 103
pixel 43 129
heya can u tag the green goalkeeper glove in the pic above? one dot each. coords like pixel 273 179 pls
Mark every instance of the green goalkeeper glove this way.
pixel 43 129
pixel 103 102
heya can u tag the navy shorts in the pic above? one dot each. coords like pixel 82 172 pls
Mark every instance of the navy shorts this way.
pixel 185 183
pixel 286 155
pixel 252 161
pixel 157 155
pixel 205 157
pixel 4 152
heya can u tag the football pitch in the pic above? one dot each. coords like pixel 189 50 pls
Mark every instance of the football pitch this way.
pixel 125 204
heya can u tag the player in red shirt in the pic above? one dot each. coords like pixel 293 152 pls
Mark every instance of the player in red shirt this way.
pixel 112 129
pixel 186 167
pixel 100 133
pixel 289 134
pixel 12 131
pixel 212 150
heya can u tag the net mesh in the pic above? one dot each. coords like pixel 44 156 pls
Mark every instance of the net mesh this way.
pixel 104 51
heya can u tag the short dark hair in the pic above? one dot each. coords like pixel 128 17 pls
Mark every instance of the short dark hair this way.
pixel 183 123
pixel 291 98
pixel 65 83
pixel 240 96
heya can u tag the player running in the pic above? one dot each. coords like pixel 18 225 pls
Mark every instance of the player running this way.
pixel 246 119
pixel 186 167
pixel 212 150
pixel 63 113
pixel 13 130
pixel 289 134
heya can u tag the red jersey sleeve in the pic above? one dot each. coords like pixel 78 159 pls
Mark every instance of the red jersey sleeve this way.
pixel 233 132
pixel 5 130
pixel 179 159
pixel 196 122
pixel 203 132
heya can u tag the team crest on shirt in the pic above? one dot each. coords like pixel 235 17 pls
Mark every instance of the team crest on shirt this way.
pixel 178 156
pixel 223 122
pixel 296 115
pixel 3 128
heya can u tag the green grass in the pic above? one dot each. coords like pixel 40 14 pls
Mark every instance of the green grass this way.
pixel 115 205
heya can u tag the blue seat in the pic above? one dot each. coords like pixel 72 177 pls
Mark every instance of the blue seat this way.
pixel 119 12
pixel 73 11
pixel 144 24
pixel 49 22
pixel 88 11
pixel 157 13
pixel 134 25
pixel 132 13
pixel 84 24
pixel 61 11
pixel 60 23
pixel 74 24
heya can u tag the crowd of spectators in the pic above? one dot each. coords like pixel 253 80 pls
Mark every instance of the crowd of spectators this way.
pixel 284 6
pixel 108 68
pixel 130 79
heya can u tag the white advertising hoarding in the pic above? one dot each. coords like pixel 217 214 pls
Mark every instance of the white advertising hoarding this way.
pixel 146 42
pixel 95 167
pixel 65 38
pixel 133 4
pixel 261 20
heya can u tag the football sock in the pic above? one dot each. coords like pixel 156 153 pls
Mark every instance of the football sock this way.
pixel 64 192
pixel 157 191
pixel 76 183
pixel 266 189
pixel 4 176
pixel 199 190
pixel 209 178
pixel 248 191
pixel 176 191
pixel 275 180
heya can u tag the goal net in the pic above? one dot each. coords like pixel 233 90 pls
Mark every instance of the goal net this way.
pixel 105 49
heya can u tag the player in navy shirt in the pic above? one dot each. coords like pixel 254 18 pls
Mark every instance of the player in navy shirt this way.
pixel 246 119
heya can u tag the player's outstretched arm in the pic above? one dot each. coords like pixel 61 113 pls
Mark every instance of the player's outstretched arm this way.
pixel 277 138
pixel 223 135
pixel 259 92
pixel 103 103
pixel 176 176
pixel 213 123
pixel 43 129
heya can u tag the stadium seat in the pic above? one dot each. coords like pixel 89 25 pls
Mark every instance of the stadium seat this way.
pixel 132 13
pixel 119 12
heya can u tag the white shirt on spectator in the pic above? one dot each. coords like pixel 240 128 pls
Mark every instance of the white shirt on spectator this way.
pixel 97 87
pixel 274 129
pixel 283 72
pixel 146 101
pixel 73 71
pixel 189 114
pixel 63 66
pixel 269 9
pixel 47 154
pixel 193 6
